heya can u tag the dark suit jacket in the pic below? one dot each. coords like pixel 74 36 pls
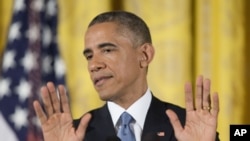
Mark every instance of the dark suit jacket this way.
pixel 101 126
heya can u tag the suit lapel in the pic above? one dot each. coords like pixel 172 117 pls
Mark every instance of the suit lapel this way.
pixel 101 126
pixel 157 126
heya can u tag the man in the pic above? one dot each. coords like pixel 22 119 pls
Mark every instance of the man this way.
pixel 118 49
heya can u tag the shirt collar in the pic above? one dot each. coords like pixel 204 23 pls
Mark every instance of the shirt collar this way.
pixel 137 110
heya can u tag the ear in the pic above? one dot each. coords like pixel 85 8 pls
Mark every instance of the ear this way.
pixel 146 54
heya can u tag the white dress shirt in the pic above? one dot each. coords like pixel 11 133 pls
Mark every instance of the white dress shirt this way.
pixel 137 110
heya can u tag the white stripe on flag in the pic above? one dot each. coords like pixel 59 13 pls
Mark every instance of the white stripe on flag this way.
pixel 6 133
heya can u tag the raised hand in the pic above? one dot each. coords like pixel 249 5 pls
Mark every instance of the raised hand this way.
pixel 201 118
pixel 56 120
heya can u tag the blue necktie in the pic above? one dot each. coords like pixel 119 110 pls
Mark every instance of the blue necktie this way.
pixel 125 133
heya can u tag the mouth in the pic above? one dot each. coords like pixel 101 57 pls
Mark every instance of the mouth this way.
pixel 98 81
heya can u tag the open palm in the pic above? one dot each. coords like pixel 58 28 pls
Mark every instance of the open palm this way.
pixel 56 120
pixel 201 119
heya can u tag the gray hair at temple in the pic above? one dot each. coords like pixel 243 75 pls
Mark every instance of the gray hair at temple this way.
pixel 127 22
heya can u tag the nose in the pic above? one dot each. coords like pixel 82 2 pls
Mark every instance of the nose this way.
pixel 96 64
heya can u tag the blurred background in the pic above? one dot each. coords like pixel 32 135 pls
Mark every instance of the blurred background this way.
pixel 191 37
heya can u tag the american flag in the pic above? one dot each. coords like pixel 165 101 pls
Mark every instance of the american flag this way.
pixel 31 58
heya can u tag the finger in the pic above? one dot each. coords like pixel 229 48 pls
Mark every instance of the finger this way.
pixel 80 132
pixel 189 97
pixel 206 95
pixel 46 101
pixel 215 109
pixel 39 112
pixel 63 99
pixel 54 97
pixel 174 121
pixel 198 96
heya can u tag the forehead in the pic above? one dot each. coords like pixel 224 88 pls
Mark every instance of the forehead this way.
pixel 99 28
pixel 100 33
pixel 105 32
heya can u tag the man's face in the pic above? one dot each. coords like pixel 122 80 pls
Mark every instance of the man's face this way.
pixel 113 61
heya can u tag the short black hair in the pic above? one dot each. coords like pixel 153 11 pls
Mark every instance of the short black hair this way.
pixel 129 21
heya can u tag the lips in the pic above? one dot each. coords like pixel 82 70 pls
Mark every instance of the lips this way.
pixel 100 80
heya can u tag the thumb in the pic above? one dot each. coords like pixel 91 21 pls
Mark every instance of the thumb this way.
pixel 81 130
pixel 174 121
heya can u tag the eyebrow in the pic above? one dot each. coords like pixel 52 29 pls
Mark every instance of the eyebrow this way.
pixel 100 46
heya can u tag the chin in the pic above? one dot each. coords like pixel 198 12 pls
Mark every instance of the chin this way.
pixel 105 97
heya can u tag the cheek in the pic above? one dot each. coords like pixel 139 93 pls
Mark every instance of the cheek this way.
pixel 124 65
pixel 127 63
pixel 128 69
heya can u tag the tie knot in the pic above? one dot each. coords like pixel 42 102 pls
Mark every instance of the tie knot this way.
pixel 125 132
pixel 126 118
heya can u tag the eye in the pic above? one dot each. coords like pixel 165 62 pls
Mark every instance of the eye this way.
pixel 107 50
pixel 88 56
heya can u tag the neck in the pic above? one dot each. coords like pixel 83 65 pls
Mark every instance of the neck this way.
pixel 128 99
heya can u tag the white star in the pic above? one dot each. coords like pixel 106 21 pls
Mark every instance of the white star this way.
pixel 29 61
pixel 37 5
pixel 47 36
pixel 60 68
pixel 14 32
pixel 19 5
pixel 19 118
pixel 51 8
pixel 4 87
pixel 23 90
pixel 33 33
pixel 8 60
pixel 46 64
